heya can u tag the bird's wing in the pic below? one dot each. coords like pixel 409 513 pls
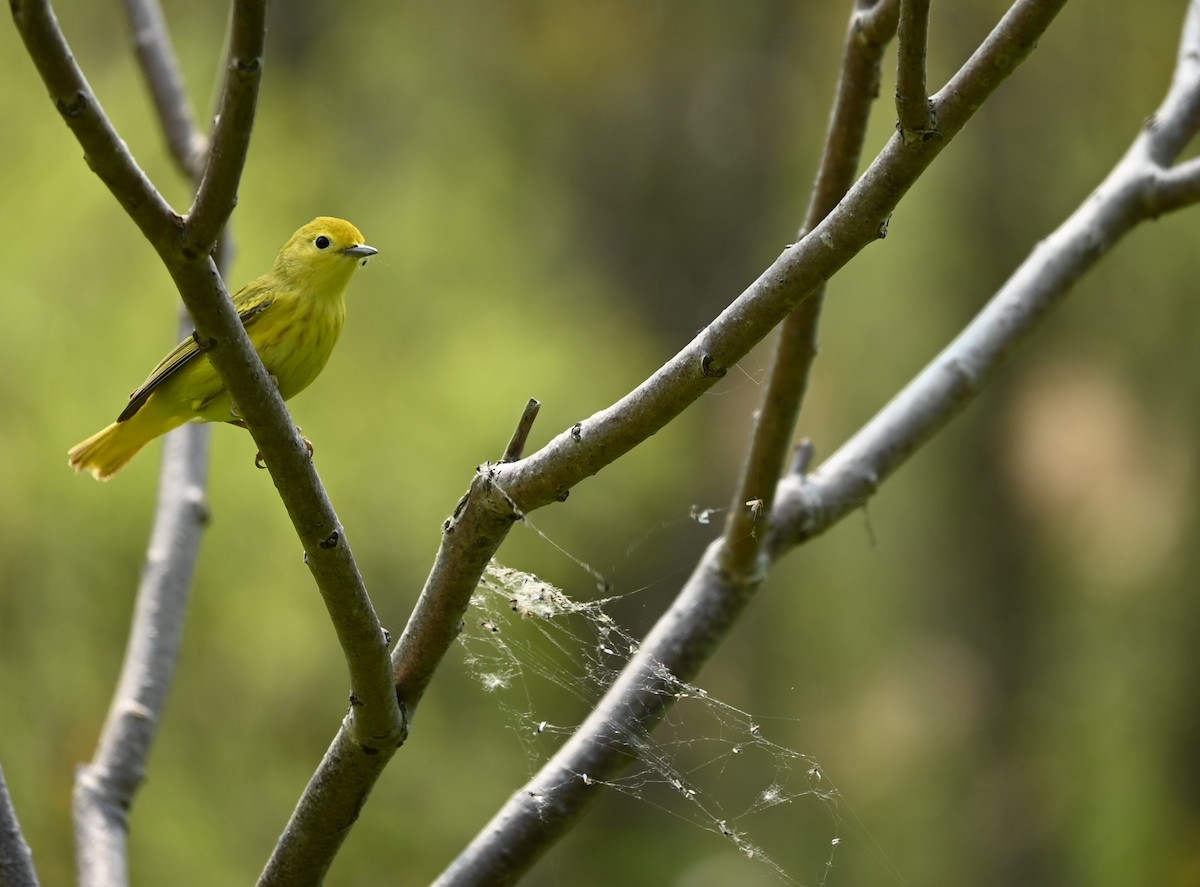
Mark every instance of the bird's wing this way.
pixel 186 352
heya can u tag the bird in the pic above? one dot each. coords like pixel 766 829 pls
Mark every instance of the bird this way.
pixel 293 315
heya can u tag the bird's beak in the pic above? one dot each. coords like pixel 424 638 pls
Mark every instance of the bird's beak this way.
pixel 359 250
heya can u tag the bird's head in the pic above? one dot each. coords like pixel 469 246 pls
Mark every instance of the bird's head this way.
pixel 323 253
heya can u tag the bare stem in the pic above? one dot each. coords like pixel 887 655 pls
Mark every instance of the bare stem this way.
pixel 105 788
pixel 783 393
pixel 217 194
pixel 516 445
pixel 103 150
pixel 16 860
pixel 916 119
pixel 160 69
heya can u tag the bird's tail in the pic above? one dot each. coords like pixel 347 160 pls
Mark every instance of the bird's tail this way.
pixel 108 451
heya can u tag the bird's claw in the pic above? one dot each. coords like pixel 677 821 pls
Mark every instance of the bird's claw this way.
pixel 259 462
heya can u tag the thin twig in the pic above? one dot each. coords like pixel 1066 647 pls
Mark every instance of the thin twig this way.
pixel 796 349
pixel 217 194
pixel 916 120
pixel 160 70
pixel 1176 188
pixel 516 445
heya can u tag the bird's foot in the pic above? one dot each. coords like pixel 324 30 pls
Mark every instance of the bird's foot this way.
pixel 258 457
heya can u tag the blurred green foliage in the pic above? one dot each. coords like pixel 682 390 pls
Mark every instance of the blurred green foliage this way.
pixel 996 665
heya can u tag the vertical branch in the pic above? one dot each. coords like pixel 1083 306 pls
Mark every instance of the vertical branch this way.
pixel 16 860
pixel 871 29
pixel 217 193
pixel 160 69
pixel 915 118
pixel 105 788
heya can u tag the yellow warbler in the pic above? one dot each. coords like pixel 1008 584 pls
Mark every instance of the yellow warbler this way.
pixel 293 315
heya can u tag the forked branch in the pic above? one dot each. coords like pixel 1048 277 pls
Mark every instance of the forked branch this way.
pixel 710 602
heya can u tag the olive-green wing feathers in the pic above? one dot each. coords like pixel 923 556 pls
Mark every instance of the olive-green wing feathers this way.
pixel 181 355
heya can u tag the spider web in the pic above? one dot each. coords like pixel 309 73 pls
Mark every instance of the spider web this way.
pixel 546 659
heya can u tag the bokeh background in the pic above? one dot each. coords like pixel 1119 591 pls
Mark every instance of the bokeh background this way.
pixel 996 665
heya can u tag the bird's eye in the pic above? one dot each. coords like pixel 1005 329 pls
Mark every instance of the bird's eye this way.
pixel 322 242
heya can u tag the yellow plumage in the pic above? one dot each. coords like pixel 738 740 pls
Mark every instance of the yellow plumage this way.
pixel 293 315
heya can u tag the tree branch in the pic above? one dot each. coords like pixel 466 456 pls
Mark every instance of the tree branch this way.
pixel 590 445
pixel 376 720
pixel 855 222
pixel 160 70
pixel 783 393
pixel 915 118
pixel 338 790
pixel 104 789
pixel 516 444
pixel 1175 123
pixel 16 859
pixel 1129 195
pixel 217 194
pixel 374 723
pixel 105 152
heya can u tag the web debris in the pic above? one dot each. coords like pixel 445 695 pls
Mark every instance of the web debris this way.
pixel 546 659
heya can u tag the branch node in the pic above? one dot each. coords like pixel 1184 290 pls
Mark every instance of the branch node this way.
pixel 710 370
pixel 926 131
pixel 331 541
pixel 204 344
pixel 74 107
pixel 577 432
pixel 802 457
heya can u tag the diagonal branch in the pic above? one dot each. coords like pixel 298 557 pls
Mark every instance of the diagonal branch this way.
pixel 857 221
pixel 337 791
pixel 103 150
pixel 587 447
pixel 709 604
pixel 1129 195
